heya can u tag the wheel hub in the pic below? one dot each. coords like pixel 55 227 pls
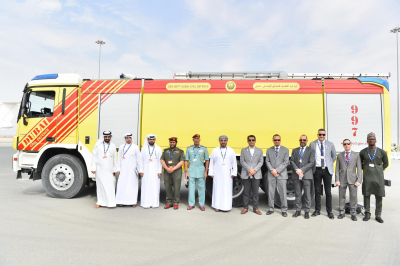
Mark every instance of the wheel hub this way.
pixel 61 177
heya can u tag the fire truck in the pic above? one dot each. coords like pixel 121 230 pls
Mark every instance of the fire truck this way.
pixel 62 115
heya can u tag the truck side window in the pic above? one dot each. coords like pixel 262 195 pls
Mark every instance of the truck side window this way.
pixel 41 104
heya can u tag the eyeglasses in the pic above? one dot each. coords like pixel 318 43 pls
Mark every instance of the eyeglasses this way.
pixel 345 144
pixel 251 140
pixel 371 139
pixel 302 140
pixel 321 134
pixel 277 140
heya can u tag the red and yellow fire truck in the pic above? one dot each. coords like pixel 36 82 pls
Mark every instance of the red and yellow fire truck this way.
pixel 61 116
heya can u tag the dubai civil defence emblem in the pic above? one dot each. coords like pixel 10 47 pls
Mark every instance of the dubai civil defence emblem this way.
pixel 230 86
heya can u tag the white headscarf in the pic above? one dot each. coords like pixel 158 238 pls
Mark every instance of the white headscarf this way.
pixel 127 135
pixel 146 141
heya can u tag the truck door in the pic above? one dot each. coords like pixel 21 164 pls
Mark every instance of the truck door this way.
pixel 37 124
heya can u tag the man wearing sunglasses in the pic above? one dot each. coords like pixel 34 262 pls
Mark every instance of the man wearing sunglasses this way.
pixel 325 156
pixel 277 159
pixel 348 174
pixel 302 161
pixel 374 161
pixel 251 159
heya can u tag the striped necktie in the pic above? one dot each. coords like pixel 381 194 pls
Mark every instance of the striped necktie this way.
pixel 276 152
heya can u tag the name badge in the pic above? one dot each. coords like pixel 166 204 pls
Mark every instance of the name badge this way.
pixel 150 160
pixel 104 157
pixel 371 165
pixel 123 157
pixel 194 160
pixel 170 162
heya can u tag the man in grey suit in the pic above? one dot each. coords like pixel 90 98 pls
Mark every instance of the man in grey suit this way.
pixel 325 156
pixel 348 175
pixel 277 159
pixel 251 159
pixel 302 161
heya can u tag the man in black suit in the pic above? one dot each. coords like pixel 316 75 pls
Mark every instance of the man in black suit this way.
pixel 302 161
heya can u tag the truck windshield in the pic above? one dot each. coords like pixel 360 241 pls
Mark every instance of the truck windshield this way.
pixel 41 104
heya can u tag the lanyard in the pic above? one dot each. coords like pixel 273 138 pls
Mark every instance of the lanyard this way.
pixel 104 147
pixel 123 150
pixel 151 151
pixel 348 161
pixel 301 155
pixel 321 149
pixel 223 156
pixel 373 157
pixel 169 152
pixel 196 153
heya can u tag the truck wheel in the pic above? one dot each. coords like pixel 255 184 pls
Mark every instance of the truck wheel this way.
pixel 238 188
pixel 64 176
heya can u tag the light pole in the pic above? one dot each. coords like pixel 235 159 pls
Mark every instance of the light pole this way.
pixel 100 42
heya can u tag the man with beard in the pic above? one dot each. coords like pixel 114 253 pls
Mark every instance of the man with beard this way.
pixel 104 163
pixel 129 161
pixel 172 160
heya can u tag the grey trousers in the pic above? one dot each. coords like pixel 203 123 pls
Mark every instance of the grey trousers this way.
pixel 250 185
pixel 299 185
pixel 353 198
pixel 280 185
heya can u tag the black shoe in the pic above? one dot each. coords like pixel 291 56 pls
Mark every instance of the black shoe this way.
pixel 354 218
pixel 367 217
pixel 284 214
pixel 330 216
pixel 341 216
pixel 296 214
pixel 379 219
pixel 316 212
pixel 269 212
pixel 306 215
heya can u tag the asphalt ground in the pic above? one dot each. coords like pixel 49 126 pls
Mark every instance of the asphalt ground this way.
pixel 36 229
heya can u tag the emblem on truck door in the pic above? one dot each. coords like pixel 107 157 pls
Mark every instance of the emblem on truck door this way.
pixel 230 86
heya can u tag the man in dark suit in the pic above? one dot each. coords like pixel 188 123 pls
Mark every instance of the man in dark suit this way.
pixel 302 161
pixel 277 159
pixel 251 159
pixel 348 175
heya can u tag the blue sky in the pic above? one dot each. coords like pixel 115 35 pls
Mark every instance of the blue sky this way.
pixel 158 38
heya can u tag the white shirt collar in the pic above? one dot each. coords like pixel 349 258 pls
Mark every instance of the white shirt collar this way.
pixel 277 147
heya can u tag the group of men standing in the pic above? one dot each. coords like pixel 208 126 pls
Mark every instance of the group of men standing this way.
pixel 312 166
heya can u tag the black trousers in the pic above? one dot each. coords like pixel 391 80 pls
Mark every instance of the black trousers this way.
pixel 319 176
pixel 250 185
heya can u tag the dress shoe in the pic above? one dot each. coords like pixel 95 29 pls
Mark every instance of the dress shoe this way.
pixel 284 214
pixel 379 219
pixel 354 218
pixel 168 206
pixel 341 216
pixel 244 211
pixel 257 211
pixel 190 208
pixel 306 215
pixel 316 212
pixel 269 212
pixel 296 214
pixel 330 216
pixel 217 210
pixel 202 208
pixel 176 206
pixel 133 206
pixel 367 217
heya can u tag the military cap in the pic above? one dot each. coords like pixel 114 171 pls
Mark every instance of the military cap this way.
pixel 196 136
pixel 173 139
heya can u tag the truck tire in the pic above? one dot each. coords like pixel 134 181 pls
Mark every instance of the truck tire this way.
pixel 237 193
pixel 64 176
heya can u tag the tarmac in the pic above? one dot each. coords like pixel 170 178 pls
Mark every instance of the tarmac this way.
pixel 36 229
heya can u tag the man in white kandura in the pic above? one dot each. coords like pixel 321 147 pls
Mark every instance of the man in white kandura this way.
pixel 223 168
pixel 129 163
pixel 150 173
pixel 104 164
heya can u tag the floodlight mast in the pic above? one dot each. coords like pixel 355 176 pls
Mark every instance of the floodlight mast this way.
pixel 100 43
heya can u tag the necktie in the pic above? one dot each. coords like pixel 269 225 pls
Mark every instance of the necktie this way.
pixel 322 154
pixel 276 152
pixel 347 158
pixel 301 156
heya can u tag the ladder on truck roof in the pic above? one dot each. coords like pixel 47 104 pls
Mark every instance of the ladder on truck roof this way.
pixel 275 75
